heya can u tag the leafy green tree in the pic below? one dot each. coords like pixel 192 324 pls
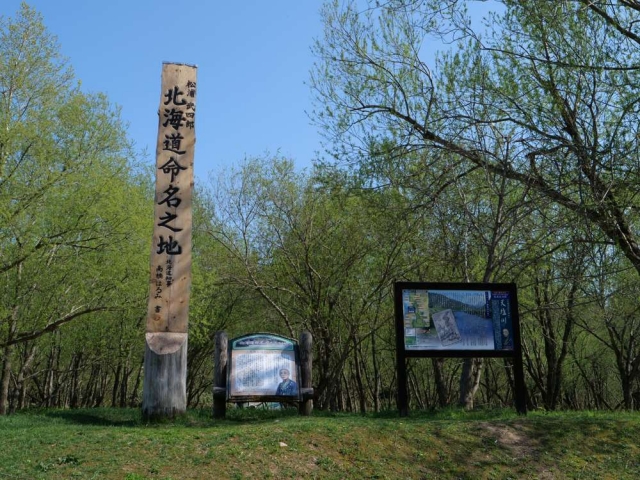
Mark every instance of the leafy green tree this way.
pixel 552 78
pixel 545 96
pixel 73 203
pixel 612 320
pixel 320 260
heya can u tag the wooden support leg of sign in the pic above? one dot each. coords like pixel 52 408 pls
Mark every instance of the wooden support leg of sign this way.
pixel 165 374
pixel 306 364
pixel 220 376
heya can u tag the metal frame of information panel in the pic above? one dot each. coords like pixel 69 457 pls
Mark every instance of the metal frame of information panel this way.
pixel 439 335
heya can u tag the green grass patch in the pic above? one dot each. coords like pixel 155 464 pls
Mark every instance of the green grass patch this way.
pixel 449 444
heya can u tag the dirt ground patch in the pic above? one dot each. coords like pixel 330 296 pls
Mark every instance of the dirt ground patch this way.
pixel 518 441
pixel 512 437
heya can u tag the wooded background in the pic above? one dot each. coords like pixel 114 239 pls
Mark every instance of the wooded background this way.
pixel 513 158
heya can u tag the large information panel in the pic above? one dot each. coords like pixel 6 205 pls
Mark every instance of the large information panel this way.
pixel 263 367
pixel 457 320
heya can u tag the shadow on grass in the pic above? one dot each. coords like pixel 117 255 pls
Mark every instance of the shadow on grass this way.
pixel 131 417
pixel 98 417
pixel 431 415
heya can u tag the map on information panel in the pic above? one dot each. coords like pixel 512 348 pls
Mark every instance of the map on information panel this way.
pixel 457 320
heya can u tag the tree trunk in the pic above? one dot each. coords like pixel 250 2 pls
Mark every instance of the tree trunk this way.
pixel 90 387
pixel 376 374
pixel 116 384
pixel 441 384
pixel 415 389
pixel 470 381
pixel 5 374
pixel 362 398
pixel 24 370
pixel 101 387
pixel 124 384
pixel 74 399
pixel 4 379
pixel 134 393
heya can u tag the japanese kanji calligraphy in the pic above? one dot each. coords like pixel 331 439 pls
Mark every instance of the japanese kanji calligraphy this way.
pixel 171 249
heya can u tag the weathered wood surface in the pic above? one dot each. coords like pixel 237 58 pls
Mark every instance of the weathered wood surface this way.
pixel 165 363
pixel 306 367
pixel 170 279
pixel 165 379
pixel 220 375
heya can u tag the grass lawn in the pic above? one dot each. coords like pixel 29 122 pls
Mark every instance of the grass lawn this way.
pixel 114 443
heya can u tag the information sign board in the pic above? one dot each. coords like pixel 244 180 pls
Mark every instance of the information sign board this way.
pixel 263 367
pixel 457 320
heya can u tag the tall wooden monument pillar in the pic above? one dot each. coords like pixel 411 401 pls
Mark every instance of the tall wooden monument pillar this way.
pixel 165 360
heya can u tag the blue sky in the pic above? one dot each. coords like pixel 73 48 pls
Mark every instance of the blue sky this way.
pixel 253 60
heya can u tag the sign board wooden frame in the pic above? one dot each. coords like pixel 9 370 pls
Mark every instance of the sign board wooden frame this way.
pixel 465 320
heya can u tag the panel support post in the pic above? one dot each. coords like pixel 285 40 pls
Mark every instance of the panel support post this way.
pixel 401 363
pixel 306 364
pixel 220 375
pixel 520 394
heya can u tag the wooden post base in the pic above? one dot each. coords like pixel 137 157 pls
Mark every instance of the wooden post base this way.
pixel 165 376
